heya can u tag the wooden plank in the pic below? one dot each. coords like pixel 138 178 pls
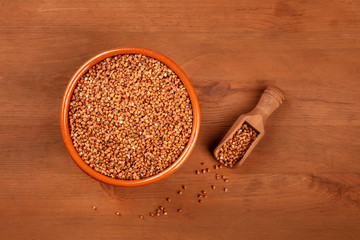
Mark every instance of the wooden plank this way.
pixel 301 182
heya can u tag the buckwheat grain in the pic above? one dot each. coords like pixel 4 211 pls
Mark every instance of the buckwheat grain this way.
pixel 130 117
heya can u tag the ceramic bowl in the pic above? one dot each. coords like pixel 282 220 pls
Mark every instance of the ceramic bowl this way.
pixel 64 121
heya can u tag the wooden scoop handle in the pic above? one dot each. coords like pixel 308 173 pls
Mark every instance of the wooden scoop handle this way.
pixel 270 100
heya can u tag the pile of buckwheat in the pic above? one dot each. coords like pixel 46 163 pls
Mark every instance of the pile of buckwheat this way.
pixel 130 117
pixel 235 148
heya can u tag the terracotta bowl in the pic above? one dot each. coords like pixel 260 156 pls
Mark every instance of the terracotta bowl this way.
pixel 64 121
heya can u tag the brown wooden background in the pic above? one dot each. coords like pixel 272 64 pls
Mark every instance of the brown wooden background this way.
pixel 301 182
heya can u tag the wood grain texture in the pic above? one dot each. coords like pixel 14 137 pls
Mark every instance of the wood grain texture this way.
pixel 301 182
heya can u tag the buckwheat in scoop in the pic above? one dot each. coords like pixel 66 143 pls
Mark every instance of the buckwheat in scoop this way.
pixel 235 148
pixel 130 117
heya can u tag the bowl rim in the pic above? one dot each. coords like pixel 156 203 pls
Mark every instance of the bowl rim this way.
pixel 64 121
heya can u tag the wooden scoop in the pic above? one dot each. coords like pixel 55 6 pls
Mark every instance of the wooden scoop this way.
pixel 270 100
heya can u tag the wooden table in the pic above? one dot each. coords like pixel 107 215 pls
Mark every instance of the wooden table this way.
pixel 301 182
